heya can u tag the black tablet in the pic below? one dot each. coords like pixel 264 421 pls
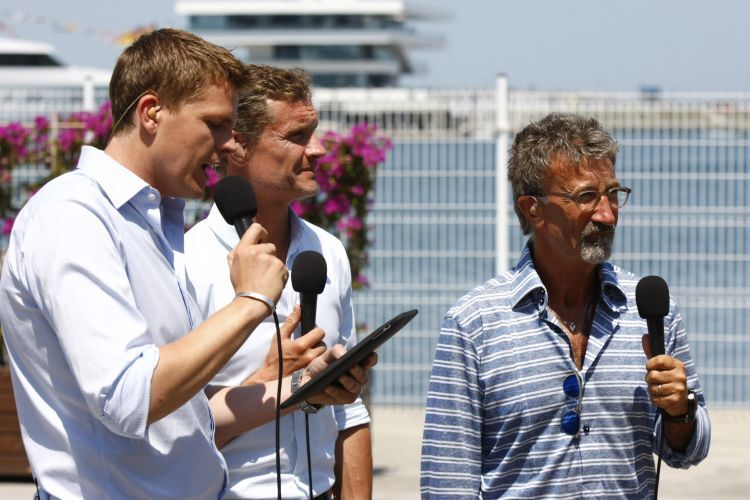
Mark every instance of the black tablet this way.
pixel 356 355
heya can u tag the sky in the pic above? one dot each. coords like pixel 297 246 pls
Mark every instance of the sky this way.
pixel 677 45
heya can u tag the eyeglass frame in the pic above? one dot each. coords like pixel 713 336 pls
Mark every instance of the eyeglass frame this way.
pixel 578 407
pixel 574 197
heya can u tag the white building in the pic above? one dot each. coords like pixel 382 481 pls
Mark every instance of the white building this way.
pixel 342 43
pixel 33 82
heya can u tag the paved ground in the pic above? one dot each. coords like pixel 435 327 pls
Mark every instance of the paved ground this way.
pixel 397 435
pixel 725 474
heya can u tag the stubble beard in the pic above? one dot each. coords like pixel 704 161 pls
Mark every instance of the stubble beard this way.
pixel 596 242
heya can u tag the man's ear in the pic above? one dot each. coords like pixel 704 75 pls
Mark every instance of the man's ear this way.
pixel 147 111
pixel 239 156
pixel 529 207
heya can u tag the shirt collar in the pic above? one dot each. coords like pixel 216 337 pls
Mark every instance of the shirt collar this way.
pixel 613 295
pixel 228 234
pixel 532 289
pixel 118 183
pixel 298 236
pixel 530 285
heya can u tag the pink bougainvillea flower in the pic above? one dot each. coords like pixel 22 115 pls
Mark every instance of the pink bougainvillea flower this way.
pixel 212 177
pixel 361 280
pixel 8 225
pixel 41 123
pixel 301 207
pixel 331 206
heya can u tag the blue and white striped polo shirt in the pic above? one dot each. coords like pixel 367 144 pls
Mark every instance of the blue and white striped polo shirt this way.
pixel 495 401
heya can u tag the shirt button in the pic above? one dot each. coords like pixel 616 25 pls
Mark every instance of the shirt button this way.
pixel 151 197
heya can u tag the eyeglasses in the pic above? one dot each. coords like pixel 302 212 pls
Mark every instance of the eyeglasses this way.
pixel 588 200
pixel 573 389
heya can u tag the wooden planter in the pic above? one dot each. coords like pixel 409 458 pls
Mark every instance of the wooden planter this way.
pixel 13 461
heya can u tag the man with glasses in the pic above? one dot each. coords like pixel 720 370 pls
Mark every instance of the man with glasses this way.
pixel 543 383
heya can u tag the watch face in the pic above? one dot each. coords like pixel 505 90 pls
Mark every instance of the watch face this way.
pixel 692 402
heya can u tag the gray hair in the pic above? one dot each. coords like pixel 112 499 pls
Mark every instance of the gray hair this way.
pixel 566 137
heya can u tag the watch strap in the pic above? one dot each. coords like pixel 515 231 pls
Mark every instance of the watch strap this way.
pixel 688 417
pixel 303 405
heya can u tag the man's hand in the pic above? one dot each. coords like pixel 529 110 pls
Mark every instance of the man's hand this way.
pixel 239 409
pixel 297 353
pixel 254 267
pixel 347 387
pixel 667 381
pixel 187 364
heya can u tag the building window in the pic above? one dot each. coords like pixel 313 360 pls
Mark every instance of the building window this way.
pixel 333 52
pixel 282 22
pixel 208 22
pixel 336 80
pixel 27 60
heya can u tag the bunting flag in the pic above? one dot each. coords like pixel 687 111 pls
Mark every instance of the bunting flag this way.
pixel 131 36
pixel 10 19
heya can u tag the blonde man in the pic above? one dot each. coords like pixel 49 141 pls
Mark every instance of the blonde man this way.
pixel 108 351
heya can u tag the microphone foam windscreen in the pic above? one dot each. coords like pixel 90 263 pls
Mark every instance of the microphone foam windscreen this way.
pixel 652 297
pixel 309 272
pixel 235 198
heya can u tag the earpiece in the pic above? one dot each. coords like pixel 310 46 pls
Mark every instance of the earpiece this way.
pixel 151 113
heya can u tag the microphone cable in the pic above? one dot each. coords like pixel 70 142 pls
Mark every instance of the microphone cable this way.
pixel 278 419
pixel 309 461
pixel 278 405
pixel 658 462
pixel 309 273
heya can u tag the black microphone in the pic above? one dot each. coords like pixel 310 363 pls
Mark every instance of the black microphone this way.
pixel 309 279
pixel 652 299
pixel 235 199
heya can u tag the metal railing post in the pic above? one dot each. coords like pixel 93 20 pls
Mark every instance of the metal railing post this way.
pixel 89 100
pixel 502 140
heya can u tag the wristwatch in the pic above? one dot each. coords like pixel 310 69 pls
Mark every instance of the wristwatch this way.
pixel 692 402
pixel 303 405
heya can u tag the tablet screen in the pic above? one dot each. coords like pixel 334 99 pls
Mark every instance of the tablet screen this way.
pixel 357 354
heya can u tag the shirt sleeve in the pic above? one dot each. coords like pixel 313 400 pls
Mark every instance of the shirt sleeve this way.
pixel 79 279
pixel 698 446
pixel 451 444
pixel 351 415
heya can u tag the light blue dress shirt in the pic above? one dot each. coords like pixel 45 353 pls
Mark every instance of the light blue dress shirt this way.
pixel 93 282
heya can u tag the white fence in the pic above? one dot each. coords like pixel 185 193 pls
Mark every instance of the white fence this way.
pixel 443 223
pixel 443 220
pixel 22 104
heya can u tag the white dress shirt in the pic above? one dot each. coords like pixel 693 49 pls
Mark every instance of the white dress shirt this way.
pixel 251 457
pixel 92 283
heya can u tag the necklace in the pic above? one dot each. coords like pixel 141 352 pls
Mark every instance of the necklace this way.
pixel 571 325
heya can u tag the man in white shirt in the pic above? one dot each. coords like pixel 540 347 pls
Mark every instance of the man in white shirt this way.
pixel 277 154
pixel 107 350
